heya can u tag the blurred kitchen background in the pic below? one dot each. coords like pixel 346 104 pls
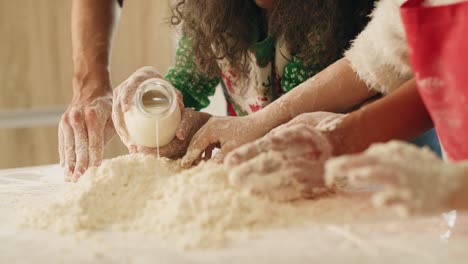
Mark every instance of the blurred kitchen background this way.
pixel 36 70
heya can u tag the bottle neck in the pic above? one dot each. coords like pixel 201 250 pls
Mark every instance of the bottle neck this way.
pixel 156 98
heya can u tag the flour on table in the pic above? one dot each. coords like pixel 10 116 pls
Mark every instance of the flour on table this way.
pixel 194 208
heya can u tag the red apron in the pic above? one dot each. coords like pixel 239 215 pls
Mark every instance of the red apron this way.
pixel 438 48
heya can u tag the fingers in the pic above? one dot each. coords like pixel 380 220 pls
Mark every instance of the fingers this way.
pixel 61 147
pixel 275 141
pixel 337 170
pixel 362 172
pixel 400 201
pixel 81 144
pixel 200 141
pixel 132 149
pixel 127 93
pixel 127 90
pixel 185 124
pixel 146 150
pixel 375 177
pixel 83 131
pixel 118 120
pixel 197 161
pixel 109 131
pixel 279 140
pixel 238 175
pixel 123 97
pixel 69 147
pixel 95 128
pixel 209 152
pixel 219 156
pixel 180 99
pixel 259 167
pixel 306 171
pixel 243 154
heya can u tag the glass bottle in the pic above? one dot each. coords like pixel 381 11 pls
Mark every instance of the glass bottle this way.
pixel 154 116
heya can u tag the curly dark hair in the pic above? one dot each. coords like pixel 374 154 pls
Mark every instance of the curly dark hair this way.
pixel 225 29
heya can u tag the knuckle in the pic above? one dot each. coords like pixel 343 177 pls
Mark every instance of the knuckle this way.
pixel 76 116
pixel 91 114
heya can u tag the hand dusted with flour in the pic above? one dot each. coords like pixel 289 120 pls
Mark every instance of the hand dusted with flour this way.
pixel 84 129
pixel 289 158
pixel 403 177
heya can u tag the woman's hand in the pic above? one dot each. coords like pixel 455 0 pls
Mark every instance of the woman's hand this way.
pixel 123 97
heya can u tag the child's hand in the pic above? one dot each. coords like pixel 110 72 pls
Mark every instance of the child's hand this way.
pixel 122 101
pixel 232 132
pixel 401 176
pixel 289 158
pixel 227 133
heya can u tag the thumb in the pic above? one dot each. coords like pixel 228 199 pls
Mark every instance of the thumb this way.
pixel 184 126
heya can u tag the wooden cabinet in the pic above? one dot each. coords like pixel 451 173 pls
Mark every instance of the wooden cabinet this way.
pixel 35 68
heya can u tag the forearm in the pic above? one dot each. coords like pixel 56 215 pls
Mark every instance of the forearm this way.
pixel 400 115
pixel 92 26
pixel 335 89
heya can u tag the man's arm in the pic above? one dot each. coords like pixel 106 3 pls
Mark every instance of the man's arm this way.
pixel 92 27
pixel 86 125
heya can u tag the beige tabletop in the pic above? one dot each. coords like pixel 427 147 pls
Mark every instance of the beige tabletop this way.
pixel 378 237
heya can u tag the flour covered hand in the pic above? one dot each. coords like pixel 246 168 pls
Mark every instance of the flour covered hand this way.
pixel 286 164
pixel 84 129
pixel 123 98
pixel 227 133
pixel 400 176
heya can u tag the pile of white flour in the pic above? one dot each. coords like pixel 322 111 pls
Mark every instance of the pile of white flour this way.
pixel 193 208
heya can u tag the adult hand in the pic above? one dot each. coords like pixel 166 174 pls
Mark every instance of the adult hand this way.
pixel 84 129
pixel 123 98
